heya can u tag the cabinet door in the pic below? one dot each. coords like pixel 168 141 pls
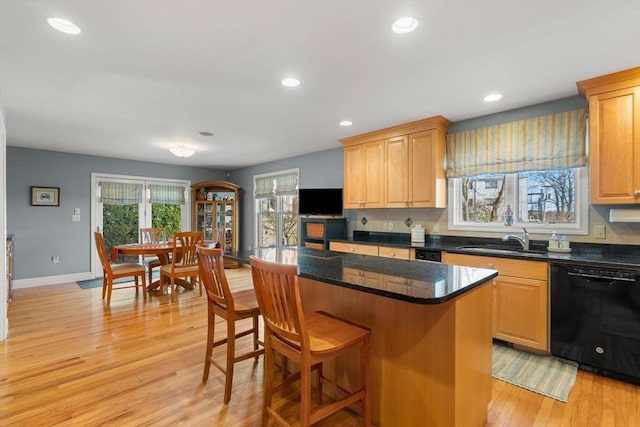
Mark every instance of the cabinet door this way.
pixel 397 172
pixel 374 178
pixel 354 176
pixel 520 312
pixel 427 175
pixel 364 175
pixel 615 146
pixel 204 214
pixel 520 298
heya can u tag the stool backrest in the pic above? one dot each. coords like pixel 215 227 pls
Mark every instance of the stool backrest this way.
pixel 276 288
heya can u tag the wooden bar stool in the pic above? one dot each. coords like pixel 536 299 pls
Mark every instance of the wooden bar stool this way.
pixel 232 307
pixel 309 339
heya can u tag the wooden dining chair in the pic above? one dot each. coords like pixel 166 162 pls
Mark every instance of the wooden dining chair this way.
pixel 150 236
pixel 308 339
pixel 110 272
pixel 184 260
pixel 230 306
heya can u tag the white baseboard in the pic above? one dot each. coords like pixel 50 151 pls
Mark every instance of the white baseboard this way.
pixel 51 280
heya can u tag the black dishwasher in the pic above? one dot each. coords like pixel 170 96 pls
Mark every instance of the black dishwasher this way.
pixel 595 319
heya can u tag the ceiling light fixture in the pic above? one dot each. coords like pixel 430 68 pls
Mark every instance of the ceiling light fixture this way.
pixel 182 150
pixel 404 25
pixel 492 97
pixel 64 26
pixel 346 123
pixel 206 133
pixel 290 82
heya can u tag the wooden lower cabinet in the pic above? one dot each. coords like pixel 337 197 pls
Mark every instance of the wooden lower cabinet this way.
pixel 397 253
pixel 520 298
pixel 373 250
pixel 353 248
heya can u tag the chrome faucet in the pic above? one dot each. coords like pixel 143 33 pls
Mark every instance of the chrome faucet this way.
pixel 524 240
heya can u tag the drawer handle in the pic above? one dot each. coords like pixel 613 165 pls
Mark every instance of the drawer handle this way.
pixel 392 254
pixel 636 193
pixel 352 249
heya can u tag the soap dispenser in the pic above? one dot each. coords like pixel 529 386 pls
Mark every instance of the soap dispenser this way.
pixel 554 242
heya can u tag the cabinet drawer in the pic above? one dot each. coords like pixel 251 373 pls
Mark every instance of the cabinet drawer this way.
pixel 353 248
pixel 397 253
pixel 506 266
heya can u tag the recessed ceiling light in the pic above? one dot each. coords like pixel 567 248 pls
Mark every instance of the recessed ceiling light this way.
pixel 290 82
pixel 346 123
pixel 206 133
pixel 64 26
pixel 492 97
pixel 404 25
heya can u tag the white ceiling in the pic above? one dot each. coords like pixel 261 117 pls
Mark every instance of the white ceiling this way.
pixel 145 74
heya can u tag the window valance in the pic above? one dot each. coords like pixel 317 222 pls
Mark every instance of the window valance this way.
pixel 547 142
pixel 167 194
pixel 120 193
pixel 284 184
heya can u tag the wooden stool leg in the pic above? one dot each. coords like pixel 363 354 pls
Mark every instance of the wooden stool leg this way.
pixel 364 377
pixel 269 361
pixel 209 351
pixel 231 355
pixel 305 400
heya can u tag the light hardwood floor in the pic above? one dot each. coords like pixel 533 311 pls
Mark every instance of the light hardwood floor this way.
pixel 70 360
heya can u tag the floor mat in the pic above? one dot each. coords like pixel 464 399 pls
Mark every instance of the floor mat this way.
pixel 547 375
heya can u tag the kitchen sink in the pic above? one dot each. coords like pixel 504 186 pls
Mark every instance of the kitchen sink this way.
pixel 496 249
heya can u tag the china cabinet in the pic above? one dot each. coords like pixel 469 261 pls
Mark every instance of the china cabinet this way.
pixel 215 212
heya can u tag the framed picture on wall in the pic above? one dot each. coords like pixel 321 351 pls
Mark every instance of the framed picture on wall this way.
pixel 45 196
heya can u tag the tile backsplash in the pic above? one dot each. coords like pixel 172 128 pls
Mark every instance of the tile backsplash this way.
pixel 435 222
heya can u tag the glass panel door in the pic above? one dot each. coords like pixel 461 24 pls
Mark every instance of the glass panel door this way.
pixel 121 223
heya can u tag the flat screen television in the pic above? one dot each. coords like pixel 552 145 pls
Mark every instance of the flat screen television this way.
pixel 320 201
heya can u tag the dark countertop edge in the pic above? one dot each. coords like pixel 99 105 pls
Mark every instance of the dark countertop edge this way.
pixel 400 297
pixel 609 255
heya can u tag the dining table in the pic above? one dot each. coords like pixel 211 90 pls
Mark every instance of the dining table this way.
pixel 160 250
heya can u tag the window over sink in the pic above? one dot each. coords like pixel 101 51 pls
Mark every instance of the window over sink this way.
pixel 541 201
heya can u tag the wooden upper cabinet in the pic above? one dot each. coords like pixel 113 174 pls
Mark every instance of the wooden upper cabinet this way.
pixel 398 193
pixel 410 171
pixel 428 182
pixel 364 175
pixel 614 136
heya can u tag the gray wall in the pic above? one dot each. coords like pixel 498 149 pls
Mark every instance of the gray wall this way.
pixel 551 107
pixel 325 168
pixel 322 169
pixel 42 232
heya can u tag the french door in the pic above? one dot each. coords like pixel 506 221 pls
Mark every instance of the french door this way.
pixel 124 204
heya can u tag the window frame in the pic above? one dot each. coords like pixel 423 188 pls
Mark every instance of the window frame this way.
pixel 580 227
pixel 279 213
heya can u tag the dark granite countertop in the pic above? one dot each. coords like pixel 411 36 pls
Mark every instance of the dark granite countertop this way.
pixel 415 282
pixel 607 255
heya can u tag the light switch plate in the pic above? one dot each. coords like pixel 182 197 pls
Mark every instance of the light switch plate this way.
pixel 599 232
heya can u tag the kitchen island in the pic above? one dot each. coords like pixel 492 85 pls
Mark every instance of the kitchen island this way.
pixel 430 326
